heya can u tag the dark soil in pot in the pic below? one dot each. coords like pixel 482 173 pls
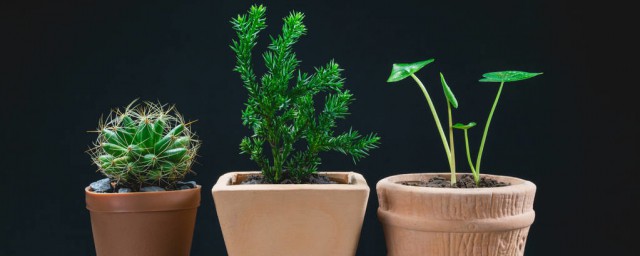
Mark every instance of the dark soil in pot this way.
pixel 466 181
pixel 312 179
pixel 106 185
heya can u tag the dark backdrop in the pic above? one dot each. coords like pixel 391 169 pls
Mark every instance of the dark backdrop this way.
pixel 569 131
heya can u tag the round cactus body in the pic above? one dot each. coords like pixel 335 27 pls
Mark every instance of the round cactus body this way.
pixel 146 144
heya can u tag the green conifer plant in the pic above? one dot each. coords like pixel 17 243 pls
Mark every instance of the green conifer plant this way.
pixel 281 109
pixel 146 144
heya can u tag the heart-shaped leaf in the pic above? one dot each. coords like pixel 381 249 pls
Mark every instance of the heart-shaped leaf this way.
pixel 507 76
pixel 403 70
pixel 464 126
pixel 448 93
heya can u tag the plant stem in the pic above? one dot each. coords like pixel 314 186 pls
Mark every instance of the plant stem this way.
pixel 476 176
pixel 435 117
pixel 276 164
pixel 486 130
pixel 452 160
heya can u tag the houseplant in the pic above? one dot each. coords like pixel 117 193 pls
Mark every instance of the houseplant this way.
pixel 453 213
pixel 143 207
pixel 290 208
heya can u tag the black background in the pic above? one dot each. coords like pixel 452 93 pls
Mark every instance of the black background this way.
pixel 570 131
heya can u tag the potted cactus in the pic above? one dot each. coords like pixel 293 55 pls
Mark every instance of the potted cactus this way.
pixel 143 207
pixel 456 213
pixel 289 207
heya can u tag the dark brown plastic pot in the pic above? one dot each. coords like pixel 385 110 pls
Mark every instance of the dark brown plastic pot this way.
pixel 143 223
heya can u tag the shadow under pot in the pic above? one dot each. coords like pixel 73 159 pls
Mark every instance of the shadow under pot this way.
pixel 143 223
pixel 291 219
pixel 455 221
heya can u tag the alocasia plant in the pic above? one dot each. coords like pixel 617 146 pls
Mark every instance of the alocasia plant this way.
pixel 401 71
pixel 501 77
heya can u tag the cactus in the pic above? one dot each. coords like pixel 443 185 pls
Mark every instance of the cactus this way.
pixel 146 144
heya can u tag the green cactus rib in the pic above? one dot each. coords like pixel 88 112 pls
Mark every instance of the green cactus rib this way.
pixel 145 144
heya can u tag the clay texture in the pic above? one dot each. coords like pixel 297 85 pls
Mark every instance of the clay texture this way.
pixel 300 219
pixel 455 221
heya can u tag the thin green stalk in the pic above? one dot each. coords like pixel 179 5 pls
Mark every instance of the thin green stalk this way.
pixel 452 160
pixel 435 117
pixel 276 151
pixel 476 175
pixel 276 164
pixel 486 129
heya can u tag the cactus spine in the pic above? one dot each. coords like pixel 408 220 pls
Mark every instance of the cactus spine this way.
pixel 145 144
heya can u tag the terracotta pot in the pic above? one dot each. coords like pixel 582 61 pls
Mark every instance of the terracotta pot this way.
pixel 454 221
pixel 143 223
pixel 304 219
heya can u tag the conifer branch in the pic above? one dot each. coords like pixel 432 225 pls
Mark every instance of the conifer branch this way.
pixel 282 113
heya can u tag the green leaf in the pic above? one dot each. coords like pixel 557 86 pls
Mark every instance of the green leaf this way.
pixel 401 71
pixel 464 126
pixel 507 76
pixel 448 93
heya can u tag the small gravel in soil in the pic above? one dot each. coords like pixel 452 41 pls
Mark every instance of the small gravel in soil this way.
pixel 104 186
pixel 186 184
pixel 101 186
pixel 152 189
pixel 466 181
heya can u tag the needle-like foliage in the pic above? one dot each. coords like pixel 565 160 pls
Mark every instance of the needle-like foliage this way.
pixel 280 107
pixel 145 144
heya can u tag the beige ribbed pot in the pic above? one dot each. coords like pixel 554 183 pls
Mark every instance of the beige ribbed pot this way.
pixel 455 221
pixel 143 223
pixel 282 220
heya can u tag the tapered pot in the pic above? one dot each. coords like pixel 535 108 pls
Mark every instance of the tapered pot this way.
pixel 300 219
pixel 143 223
pixel 455 221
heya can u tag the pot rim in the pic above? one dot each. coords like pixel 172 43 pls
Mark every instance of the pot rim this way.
pixel 355 181
pixel 155 201
pixel 392 182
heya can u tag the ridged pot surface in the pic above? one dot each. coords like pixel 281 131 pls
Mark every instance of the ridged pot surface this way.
pixel 291 219
pixel 455 221
pixel 143 223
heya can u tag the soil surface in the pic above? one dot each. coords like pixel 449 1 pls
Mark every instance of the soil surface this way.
pixel 466 181
pixel 108 186
pixel 313 179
